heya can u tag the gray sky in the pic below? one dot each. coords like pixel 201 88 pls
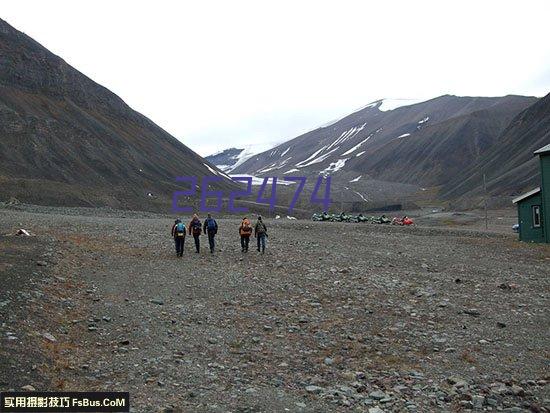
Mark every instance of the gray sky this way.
pixel 217 74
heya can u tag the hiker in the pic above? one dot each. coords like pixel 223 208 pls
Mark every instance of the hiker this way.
pixel 260 232
pixel 195 230
pixel 178 233
pixel 210 228
pixel 245 231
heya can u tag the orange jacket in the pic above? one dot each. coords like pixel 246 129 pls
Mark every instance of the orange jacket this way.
pixel 242 231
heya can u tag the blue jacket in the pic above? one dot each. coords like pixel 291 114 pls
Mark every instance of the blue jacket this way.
pixel 205 227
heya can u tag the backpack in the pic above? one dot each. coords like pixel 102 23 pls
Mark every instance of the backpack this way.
pixel 196 225
pixel 180 230
pixel 211 225
pixel 261 229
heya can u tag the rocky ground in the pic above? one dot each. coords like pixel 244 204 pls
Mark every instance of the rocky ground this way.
pixel 333 318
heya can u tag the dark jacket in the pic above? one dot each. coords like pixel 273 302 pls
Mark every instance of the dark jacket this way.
pixel 260 228
pixel 192 224
pixel 205 227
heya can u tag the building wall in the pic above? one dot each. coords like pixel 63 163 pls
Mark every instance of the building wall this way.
pixel 525 218
pixel 545 190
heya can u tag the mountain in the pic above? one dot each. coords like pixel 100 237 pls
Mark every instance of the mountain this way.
pixel 509 165
pixel 436 154
pixel 427 144
pixel 230 159
pixel 226 159
pixel 66 140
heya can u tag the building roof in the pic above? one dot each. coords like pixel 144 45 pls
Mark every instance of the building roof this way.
pixel 544 149
pixel 526 195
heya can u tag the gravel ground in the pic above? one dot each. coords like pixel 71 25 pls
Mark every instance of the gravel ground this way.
pixel 334 317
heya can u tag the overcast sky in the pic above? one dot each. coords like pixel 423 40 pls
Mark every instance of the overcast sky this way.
pixel 217 74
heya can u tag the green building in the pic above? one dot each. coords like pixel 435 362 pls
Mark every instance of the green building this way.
pixel 534 206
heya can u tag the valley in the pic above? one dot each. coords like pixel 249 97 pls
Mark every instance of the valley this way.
pixel 430 318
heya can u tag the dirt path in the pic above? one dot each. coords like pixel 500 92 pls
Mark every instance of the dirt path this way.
pixel 335 317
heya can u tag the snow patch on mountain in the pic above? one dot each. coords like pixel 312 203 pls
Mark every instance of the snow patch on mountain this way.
pixel 259 181
pixel 269 168
pixel 362 196
pixel 319 159
pixel 210 169
pixel 356 179
pixel 422 122
pixel 380 104
pixel 222 174
pixel 299 164
pixel 350 133
pixel 357 146
pixel 284 162
pixel 334 166
pixel 248 152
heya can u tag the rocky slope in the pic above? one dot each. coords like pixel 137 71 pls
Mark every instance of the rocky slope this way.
pixel 427 144
pixel 509 165
pixel 65 140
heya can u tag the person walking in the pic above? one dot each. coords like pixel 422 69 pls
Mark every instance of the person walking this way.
pixel 245 231
pixel 211 229
pixel 260 232
pixel 195 230
pixel 178 233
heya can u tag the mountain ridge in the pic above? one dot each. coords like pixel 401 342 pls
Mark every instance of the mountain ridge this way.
pixel 66 140
pixel 510 166
pixel 426 144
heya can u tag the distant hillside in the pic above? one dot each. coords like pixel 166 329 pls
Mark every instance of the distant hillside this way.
pixel 436 154
pixel 509 165
pixel 427 145
pixel 65 140
pixel 226 159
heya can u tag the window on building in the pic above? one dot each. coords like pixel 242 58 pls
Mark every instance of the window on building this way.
pixel 536 216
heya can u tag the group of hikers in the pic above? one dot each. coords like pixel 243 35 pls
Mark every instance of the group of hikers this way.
pixel 210 228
